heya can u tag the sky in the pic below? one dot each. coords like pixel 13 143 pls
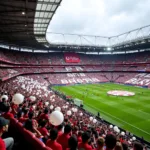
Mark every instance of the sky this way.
pixel 100 17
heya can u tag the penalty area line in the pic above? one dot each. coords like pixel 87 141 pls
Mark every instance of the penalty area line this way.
pixel 121 120
pixel 144 112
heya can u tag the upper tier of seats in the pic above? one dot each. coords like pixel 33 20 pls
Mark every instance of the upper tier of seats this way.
pixel 58 58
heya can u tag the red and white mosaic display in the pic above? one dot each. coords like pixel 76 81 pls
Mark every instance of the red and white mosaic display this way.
pixel 120 93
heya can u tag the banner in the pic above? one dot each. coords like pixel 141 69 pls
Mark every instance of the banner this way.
pixel 71 58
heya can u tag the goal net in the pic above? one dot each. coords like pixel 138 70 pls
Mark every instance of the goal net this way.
pixel 78 102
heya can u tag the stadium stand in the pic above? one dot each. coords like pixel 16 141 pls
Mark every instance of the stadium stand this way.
pixel 57 58
pixel 34 73
pixel 22 70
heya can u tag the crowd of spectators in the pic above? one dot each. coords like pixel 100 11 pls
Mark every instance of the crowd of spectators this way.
pixel 58 58
pixel 19 63
pixel 77 131
pixel 83 78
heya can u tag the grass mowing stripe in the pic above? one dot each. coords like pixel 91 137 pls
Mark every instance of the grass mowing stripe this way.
pixel 124 109
pixel 120 120
pixel 133 110
pixel 129 109
pixel 112 120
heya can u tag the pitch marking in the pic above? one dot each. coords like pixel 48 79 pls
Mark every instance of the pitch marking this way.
pixel 144 112
pixel 122 121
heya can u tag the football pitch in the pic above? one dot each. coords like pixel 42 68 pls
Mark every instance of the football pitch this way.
pixel 130 113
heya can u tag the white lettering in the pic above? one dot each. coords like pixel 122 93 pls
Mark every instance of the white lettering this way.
pixel 140 75
pixel 64 81
pixel 72 58
pixel 72 80
pixel 146 82
pixel 87 80
pixel 131 80
pixel 95 80
pixel 68 68
pixel 147 76
pixel 70 74
pixel 82 74
pixel 79 69
pixel 79 80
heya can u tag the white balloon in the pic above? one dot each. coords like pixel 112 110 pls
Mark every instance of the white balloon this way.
pixel 4 97
pixel 91 118
pixel 58 108
pixel 115 128
pixel 118 130
pixel 18 98
pixel 51 107
pixel 81 114
pixel 111 126
pixel 94 120
pixel 104 135
pixel 66 106
pixel 46 103
pixel 32 98
pixel 73 109
pixel 134 138
pixel 131 140
pixel 23 86
pixel 122 133
pixel 69 113
pixel 34 106
pixel 53 100
pixel 56 118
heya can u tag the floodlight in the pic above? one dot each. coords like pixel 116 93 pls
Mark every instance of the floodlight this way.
pixel 109 49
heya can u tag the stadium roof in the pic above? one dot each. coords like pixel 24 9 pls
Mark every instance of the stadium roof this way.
pixel 132 40
pixel 24 22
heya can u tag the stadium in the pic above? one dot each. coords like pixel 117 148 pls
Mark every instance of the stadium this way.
pixel 68 91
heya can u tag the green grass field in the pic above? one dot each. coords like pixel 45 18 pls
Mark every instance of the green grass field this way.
pixel 129 113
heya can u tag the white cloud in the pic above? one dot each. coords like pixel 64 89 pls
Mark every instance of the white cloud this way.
pixel 100 17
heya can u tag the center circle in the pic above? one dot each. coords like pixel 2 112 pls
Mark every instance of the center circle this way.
pixel 120 93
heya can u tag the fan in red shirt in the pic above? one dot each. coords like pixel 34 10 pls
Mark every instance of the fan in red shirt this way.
pixel 73 143
pixel 137 146
pixel 2 144
pixel 25 111
pixel 84 144
pixel 40 104
pixel 52 143
pixel 31 109
pixel 75 130
pixel 100 143
pixel 20 117
pixel 79 137
pixel 110 141
pixel 14 108
pixel 42 129
pixel 59 128
pixel 8 142
pixel 31 117
pixel 44 116
pixel 63 139
pixel 8 114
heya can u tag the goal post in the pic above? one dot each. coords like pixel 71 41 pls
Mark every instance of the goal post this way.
pixel 78 102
